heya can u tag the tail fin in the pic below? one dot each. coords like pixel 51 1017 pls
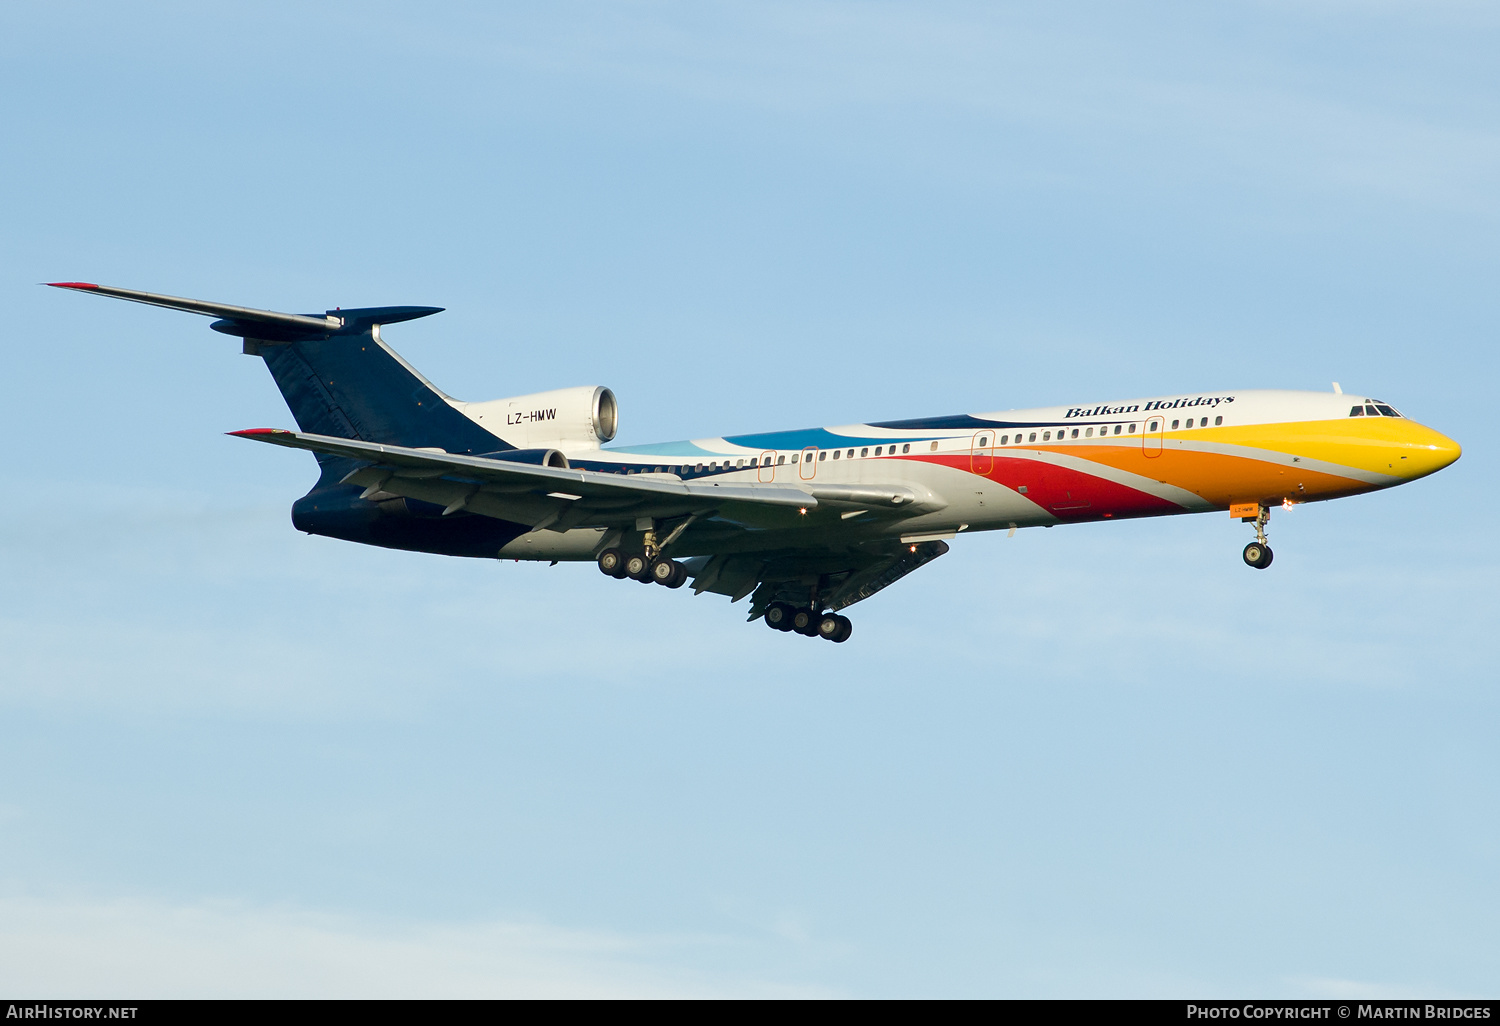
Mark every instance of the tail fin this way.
pixel 336 374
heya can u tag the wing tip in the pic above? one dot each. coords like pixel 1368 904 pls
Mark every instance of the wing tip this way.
pixel 71 285
pixel 259 432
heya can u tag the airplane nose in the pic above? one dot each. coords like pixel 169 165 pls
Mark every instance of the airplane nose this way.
pixel 1424 451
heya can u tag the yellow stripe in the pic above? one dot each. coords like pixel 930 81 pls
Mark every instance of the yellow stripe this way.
pixel 1386 446
pixel 1382 445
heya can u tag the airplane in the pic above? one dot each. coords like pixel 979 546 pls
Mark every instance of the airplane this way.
pixel 804 523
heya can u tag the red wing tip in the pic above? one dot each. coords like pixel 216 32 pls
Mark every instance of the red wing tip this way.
pixel 71 284
pixel 253 432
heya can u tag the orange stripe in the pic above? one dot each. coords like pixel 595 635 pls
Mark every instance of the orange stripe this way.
pixel 1219 478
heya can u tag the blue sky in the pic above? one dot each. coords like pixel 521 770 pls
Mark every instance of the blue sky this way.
pixel 1106 760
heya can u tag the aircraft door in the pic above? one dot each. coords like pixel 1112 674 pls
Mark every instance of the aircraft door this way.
pixel 767 472
pixel 809 463
pixel 1151 440
pixel 982 452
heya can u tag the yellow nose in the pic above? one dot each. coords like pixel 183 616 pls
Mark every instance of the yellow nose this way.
pixel 1418 451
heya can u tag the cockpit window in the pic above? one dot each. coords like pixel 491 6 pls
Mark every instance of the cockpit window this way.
pixel 1358 411
pixel 1387 411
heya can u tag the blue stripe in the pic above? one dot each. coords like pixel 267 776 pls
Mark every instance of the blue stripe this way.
pixel 677 449
pixel 811 438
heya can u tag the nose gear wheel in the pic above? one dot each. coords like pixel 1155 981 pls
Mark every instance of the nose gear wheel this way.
pixel 1258 553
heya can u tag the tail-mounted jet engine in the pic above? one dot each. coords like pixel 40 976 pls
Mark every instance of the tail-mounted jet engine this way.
pixel 566 419
pixel 538 457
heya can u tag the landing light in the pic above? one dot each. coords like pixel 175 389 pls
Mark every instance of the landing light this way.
pixel 1287 504
pixel 803 511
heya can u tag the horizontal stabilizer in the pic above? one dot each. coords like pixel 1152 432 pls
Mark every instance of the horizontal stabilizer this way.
pixel 267 325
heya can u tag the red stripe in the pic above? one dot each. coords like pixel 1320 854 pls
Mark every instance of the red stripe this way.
pixel 1066 493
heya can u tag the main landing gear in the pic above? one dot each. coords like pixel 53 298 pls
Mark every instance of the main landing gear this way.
pixel 1258 553
pixel 649 565
pixel 783 616
pixel 667 572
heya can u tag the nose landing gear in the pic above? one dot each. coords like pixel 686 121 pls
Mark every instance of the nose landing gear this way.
pixel 1258 553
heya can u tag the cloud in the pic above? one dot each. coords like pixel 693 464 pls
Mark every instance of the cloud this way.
pixel 142 949
pixel 1352 990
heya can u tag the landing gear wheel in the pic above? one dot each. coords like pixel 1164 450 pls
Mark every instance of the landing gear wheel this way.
pixel 834 627
pixel 779 616
pixel 679 576
pixel 638 568
pixel 1258 555
pixel 665 571
pixel 805 623
pixel 612 564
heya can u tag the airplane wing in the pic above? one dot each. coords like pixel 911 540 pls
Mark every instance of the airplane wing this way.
pixel 547 498
pixel 560 499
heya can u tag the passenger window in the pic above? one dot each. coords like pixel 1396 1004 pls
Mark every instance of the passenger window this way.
pixel 835 454
pixel 1005 439
pixel 933 447
pixel 877 450
pixel 1174 425
pixel 906 448
pixel 822 455
pixel 1033 436
pixel 851 454
pixel 780 460
pixel 795 456
pixel 1046 436
pixel 1203 422
pixel 1075 432
pixel 1132 429
pixel 864 452
pixel 1118 429
pixel 983 442
pixel 1088 432
pixel 1218 421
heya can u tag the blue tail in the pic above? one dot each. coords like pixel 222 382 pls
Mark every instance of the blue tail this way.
pixel 350 384
pixel 334 371
pixel 339 378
